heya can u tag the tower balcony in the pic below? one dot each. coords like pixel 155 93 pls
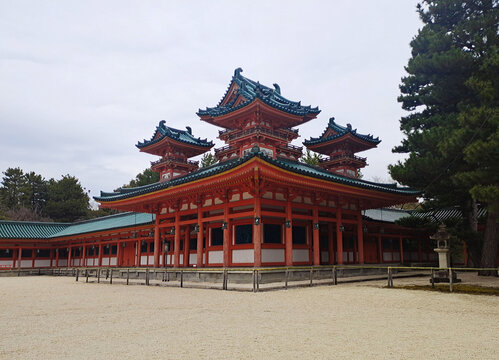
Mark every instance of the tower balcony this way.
pixel 281 134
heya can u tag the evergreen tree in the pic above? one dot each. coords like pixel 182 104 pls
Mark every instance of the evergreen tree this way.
pixel 208 159
pixel 13 187
pixel 35 192
pixel 451 132
pixel 67 200
pixel 146 177
pixel 311 158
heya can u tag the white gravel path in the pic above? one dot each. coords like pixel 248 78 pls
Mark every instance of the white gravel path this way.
pixel 58 318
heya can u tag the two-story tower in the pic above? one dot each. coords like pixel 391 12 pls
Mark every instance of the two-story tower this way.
pixel 252 113
pixel 175 147
pixel 340 144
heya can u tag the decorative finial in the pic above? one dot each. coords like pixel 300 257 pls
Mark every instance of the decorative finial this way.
pixel 331 120
pixel 162 123
pixel 277 88
pixel 255 149
pixel 189 130
pixel 238 71
pixel 349 127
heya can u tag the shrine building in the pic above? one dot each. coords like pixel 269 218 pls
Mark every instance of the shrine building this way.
pixel 257 206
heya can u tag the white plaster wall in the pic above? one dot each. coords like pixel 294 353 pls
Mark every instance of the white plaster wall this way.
pixel 387 256
pixel 193 259
pixel 151 260
pixel 396 256
pixel 216 257
pixel 63 262
pixel 325 256
pixel 42 263
pixel 26 263
pixel 168 259
pixel 272 255
pixel 181 262
pixel 300 255
pixel 105 261
pixel 112 261
pixel 247 196
pixel 6 263
pixel 143 260
pixel 242 256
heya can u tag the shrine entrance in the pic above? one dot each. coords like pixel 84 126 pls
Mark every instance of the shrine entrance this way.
pixel 128 254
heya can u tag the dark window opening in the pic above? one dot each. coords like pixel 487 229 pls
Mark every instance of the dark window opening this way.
pixel 272 233
pixel 193 244
pixel 26 253
pixel 151 246
pixel 43 253
pixel 143 247
pixel 114 249
pixel 244 234
pixel 217 237
pixel 5 253
pixel 106 250
pixel 299 235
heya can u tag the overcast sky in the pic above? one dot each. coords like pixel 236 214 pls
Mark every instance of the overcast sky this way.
pixel 82 81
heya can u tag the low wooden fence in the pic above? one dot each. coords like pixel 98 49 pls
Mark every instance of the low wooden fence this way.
pixel 258 279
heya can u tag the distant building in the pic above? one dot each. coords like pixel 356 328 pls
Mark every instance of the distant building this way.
pixel 258 206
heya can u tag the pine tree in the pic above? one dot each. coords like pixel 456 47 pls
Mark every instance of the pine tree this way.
pixel 208 159
pixel 311 158
pixel 451 132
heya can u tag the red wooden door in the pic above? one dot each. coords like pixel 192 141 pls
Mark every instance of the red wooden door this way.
pixel 371 251
pixel 128 255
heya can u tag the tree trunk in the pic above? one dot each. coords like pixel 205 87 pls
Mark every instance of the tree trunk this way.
pixel 472 245
pixel 490 245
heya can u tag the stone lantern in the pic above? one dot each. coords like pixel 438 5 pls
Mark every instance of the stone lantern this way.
pixel 442 238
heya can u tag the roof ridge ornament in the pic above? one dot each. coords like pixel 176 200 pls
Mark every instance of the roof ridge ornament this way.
pixel 277 88
pixel 238 72
pixel 189 130
pixel 255 149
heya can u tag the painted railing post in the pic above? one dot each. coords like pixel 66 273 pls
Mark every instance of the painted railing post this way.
pixel 451 282
pixel 335 276
pixel 127 276
pixel 286 279
pixel 432 278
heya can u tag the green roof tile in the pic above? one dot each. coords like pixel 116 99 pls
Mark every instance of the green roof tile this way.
pixel 184 136
pixel 29 229
pixel 251 91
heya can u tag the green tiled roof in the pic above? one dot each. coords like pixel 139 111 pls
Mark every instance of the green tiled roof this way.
pixel 294 166
pixel 47 230
pixel 184 136
pixel 340 131
pixel 29 229
pixel 251 91
pixel 117 221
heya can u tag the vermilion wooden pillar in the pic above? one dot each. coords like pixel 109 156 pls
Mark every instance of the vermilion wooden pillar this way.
pixel 316 245
pixel 84 256
pixel 157 245
pixel 176 251
pixel 100 254
pixel 401 250
pixel 199 251
pixel 257 232
pixel 339 236
pixel 289 235
pixel 118 253
pixel 187 240
pixel 380 249
pixel 19 257
pixel 360 239
pixel 56 258
pixel 226 233
pixel 330 234
pixel 139 252
pixel 70 249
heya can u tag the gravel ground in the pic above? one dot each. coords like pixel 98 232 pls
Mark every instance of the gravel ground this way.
pixel 56 318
